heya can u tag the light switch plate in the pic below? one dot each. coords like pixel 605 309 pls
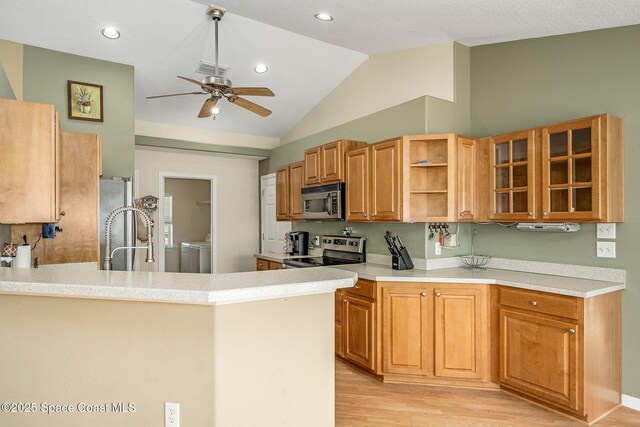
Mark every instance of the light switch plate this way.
pixel 606 230
pixel 438 249
pixel 606 249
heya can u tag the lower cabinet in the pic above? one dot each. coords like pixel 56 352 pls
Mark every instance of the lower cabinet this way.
pixel 355 324
pixel 540 357
pixel 263 264
pixel 437 331
pixel 561 351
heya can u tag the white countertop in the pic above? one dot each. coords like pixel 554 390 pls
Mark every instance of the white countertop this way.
pixel 582 288
pixel 186 288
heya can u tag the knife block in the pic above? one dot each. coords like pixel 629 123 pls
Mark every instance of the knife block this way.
pixel 402 261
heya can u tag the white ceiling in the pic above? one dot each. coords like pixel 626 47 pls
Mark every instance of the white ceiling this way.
pixel 307 58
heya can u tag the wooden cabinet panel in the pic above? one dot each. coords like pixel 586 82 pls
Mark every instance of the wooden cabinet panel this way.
pixel 358 330
pixel 357 184
pixel 312 171
pixel 296 176
pixel 513 176
pixel 467 152
pixel 79 208
pixel 275 265
pixel 363 288
pixel 539 357
pixel 461 332
pixel 262 264
pixel 339 315
pixel 540 302
pixel 282 193
pixel 29 144
pixel 386 180
pixel 331 162
pixel 405 324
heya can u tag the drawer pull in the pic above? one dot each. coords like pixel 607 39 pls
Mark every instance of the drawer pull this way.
pixel 534 303
pixel 357 287
pixel 438 294
pixel 572 331
pixel 344 300
pixel 424 294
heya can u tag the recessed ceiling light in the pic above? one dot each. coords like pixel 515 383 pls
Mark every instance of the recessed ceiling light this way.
pixel 216 111
pixel 110 33
pixel 260 68
pixel 323 16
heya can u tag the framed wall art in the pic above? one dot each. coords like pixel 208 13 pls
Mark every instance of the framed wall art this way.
pixel 85 101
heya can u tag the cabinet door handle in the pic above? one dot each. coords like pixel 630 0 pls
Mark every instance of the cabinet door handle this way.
pixel 530 213
pixel 534 303
pixel 365 215
pixel 572 331
pixel 357 286
pixel 545 213
pixel 424 294
pixel 344 300
pixel 438 294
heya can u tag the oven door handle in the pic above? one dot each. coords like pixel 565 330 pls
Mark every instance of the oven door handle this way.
pixel 328 204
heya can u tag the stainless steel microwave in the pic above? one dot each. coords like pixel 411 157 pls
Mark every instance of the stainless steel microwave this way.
pixel 323 203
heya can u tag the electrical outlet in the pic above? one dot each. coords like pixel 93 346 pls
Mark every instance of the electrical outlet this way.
pixel 451 241
pixel 606 230
pixel 438 249
pixel 606 249
pixel 316 241
pixel 171 414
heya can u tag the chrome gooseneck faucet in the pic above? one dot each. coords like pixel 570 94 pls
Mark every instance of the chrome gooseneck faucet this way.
pixel 108 254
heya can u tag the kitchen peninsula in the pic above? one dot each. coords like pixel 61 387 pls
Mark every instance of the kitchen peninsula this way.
pixel 232 349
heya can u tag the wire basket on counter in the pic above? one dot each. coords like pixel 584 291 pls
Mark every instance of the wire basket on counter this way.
pixel 473 261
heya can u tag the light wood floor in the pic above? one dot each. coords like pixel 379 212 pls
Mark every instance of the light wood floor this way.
pixel 364 401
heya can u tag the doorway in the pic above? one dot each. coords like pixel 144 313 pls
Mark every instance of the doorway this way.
pixel 273 231
pixel 187 223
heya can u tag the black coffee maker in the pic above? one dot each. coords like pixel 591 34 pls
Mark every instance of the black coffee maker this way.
pixel 300 241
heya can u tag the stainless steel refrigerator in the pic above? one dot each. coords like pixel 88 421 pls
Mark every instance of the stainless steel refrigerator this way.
pixel 115 193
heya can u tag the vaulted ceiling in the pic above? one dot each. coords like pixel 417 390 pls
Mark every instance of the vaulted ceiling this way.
pixel 307 58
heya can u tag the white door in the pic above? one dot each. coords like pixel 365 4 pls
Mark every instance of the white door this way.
pixel 272 239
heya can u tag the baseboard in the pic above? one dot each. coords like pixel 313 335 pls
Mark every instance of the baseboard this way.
pixel 631 402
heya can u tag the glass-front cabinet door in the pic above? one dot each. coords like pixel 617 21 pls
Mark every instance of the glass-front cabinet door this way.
pixel 512 158
pixel 571 171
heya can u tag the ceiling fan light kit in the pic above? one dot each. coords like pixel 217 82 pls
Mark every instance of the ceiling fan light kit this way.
pixel 217 86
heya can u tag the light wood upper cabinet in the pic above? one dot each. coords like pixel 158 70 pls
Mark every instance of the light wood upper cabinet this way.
pixel 79 240
pixel 29 161
pixel 288 192
pixel 296 172
pixel 312 174
pixel 282 193
pixel 513 176
pixel 405 330
pixel 467 176
pixel 357 184
pixel 539 356
pixel 583 170
pixel 461 317
pixel 325 164
pixel 386 180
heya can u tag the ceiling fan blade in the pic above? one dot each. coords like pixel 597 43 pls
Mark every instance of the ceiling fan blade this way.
pixel 252 91
pixel 203 86
pixel 207 107
pixel 254 108
pixel 178 94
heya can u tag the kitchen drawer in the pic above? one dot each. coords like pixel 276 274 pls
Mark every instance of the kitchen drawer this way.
pixel 363 288
pixel 540 302
pixel 275 265
pixel 262 264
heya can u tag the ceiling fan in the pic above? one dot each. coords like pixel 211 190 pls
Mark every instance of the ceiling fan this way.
pixel 217 87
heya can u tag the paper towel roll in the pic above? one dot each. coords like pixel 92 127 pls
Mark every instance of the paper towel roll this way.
pixel 23 257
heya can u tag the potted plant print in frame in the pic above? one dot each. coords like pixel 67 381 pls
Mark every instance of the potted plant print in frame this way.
pixel 85 101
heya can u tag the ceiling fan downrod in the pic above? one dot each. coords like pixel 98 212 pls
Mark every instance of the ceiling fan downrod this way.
pixel 216 13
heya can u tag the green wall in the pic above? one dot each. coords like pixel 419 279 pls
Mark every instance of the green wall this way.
pixel 527 83
pixel 45 81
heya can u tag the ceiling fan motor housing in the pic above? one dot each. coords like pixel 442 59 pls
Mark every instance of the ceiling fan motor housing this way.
pixel 217 82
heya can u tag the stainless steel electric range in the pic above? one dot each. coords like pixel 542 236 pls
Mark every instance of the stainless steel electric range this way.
pixel 337 250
